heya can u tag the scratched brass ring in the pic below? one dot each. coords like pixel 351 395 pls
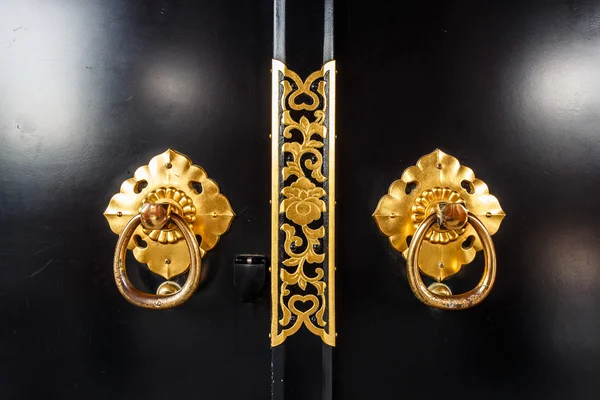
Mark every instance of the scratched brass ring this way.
pixel 147 300
pixel 451 302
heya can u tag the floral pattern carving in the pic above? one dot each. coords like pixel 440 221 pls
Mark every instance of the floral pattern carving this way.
pixel 302 282
pixel 303 203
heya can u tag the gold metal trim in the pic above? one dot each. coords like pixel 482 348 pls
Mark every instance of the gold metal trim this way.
pixel 303 203
pixel 170 178
pixel 436 180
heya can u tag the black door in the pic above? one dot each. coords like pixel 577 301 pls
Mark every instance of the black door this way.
pixel 511 89
pixel 90 91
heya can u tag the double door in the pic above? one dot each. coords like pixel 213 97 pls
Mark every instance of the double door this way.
pixel 90 91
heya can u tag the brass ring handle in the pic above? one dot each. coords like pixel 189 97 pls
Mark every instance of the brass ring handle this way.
pixel 451 302
pixel 147 300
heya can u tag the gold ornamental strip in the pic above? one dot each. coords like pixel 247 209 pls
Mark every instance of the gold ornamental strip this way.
pixel 303 203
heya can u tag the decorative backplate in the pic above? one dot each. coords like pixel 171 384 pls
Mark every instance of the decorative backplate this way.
pixel 302 276
pixel 170 178
pixel 437 178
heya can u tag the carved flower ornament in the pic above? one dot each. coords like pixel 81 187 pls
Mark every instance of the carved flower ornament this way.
pixel 303 203
pixel 436 178
pixel 170 178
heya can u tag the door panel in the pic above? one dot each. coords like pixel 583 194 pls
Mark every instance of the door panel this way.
pixel 90 91
pixel 512 90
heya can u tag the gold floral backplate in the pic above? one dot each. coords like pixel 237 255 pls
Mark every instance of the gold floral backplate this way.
pixel 436 178
pixel 171 178
pixel 303 203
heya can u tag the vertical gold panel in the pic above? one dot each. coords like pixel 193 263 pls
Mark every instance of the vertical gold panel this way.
pixel 303 203
pixel 276 71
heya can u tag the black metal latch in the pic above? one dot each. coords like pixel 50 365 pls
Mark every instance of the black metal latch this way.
pixel 249 271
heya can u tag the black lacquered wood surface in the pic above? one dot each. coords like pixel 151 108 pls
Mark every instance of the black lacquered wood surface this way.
pixel 512 89
pixel 90 91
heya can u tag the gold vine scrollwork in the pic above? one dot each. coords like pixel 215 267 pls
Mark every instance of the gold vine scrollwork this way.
pixel 307 146
pixel 301 279
pixel 303 291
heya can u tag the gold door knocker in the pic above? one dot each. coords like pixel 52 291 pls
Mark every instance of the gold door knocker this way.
pixel 158 214
pixel 439 215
